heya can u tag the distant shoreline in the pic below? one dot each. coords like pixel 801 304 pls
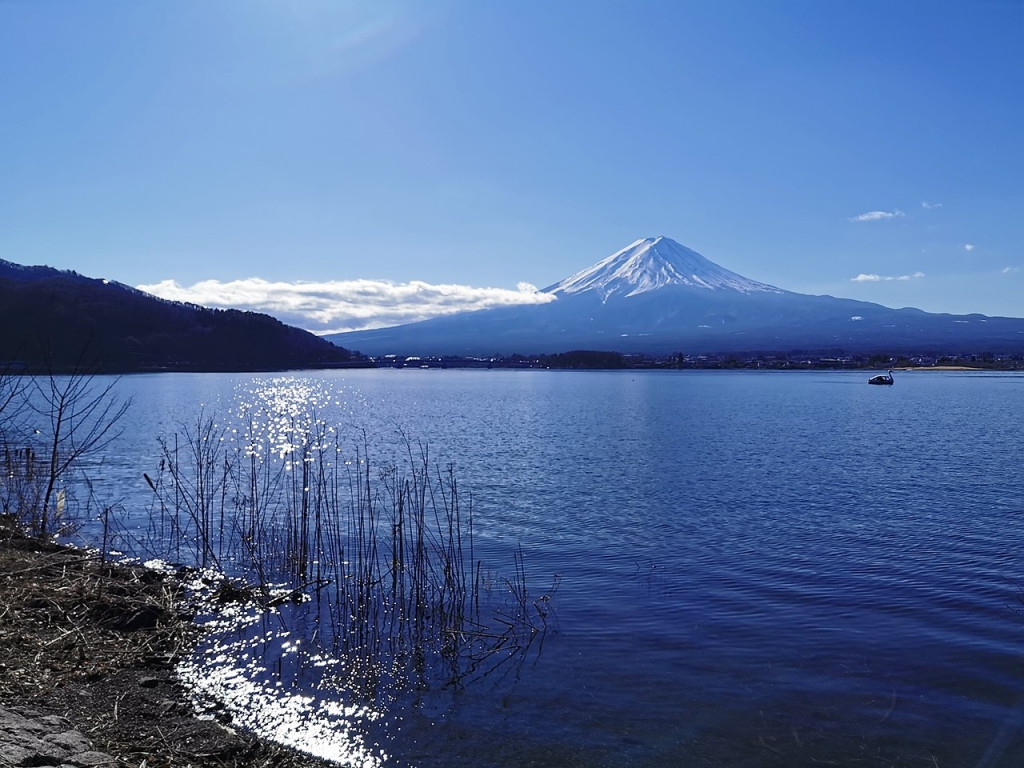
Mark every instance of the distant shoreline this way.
pixel 947 368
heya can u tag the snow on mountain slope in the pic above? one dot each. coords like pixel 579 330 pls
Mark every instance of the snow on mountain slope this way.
pixel 652 263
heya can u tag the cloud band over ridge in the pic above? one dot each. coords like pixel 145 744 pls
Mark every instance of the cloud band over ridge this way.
pixel 346 305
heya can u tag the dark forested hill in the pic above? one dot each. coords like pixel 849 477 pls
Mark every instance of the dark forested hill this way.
pixel 60 320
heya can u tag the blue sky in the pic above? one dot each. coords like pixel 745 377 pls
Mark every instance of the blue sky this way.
pixel 403 159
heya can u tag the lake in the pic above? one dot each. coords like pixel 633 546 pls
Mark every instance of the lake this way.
pixel 755 568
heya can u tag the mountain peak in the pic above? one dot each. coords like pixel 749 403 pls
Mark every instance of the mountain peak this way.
pixel 652 263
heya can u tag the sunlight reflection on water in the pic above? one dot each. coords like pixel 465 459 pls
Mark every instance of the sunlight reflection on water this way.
pixel 228 674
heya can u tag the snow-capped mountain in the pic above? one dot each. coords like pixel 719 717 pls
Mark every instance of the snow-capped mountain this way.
pixel 657 296
pixel 650 264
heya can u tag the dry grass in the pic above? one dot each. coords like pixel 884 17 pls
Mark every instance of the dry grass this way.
pixel 97 643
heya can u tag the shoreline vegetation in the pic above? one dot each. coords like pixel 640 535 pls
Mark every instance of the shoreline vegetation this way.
pixel 89 647
pixel 87 656
pixel 377 555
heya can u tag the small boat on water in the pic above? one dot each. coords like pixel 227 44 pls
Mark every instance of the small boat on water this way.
pixel 881 379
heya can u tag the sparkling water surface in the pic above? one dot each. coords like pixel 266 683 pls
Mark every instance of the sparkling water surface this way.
pixel 756 568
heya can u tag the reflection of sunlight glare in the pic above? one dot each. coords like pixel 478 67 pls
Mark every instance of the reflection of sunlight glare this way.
pixel 278 420
pixel 326 729
pixel 231 668
pixel 281 416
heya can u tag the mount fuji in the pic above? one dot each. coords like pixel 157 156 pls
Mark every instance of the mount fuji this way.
pixel 651 264
pixel 657 296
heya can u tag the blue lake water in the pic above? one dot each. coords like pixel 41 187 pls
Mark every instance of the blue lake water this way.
pixel 763 569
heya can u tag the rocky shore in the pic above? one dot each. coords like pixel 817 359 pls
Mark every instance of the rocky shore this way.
pixel 28 739
pixel 87 656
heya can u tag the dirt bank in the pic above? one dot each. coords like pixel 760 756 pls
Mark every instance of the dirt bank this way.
pixel 87 651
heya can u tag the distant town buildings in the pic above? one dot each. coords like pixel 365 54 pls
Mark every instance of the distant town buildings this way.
pixel 795 360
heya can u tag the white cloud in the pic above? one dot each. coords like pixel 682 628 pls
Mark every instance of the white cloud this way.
pixel 877 215
pixel 968 247
pixel 346 305
pixel 1008 270
pixel 929 206
pixel 871 278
